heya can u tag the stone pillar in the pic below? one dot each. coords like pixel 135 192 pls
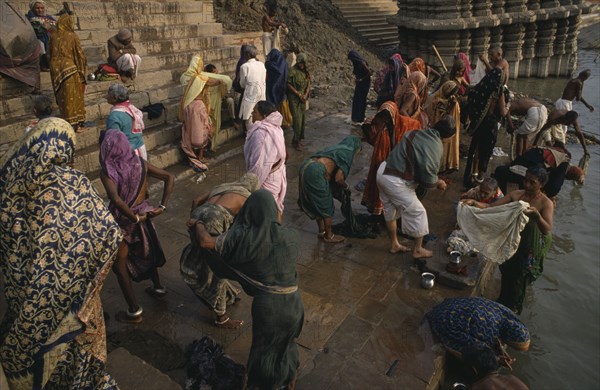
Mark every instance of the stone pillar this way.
pixel 496 38
pixel 403 40
pixel 498 7
pixel 549 3
pixel 562 25
pixel 480 41
pixel 513 43
pixel 543 49
pixel 446 9
pixel 466 8
pixel 448 45
pixel 570 63
pixel 528 50
pixel 482 8
pixel 514 6
pixel 533 5
pixel 465 42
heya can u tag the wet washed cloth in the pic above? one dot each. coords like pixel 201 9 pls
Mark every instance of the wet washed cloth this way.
pixel 58 241
pixel 265 155
pixel 352 226
pixel 383 131
pixel 129 173
pixel 494 231
pixel 467 322
pixel 261 255
pixel 315 187
pixel 208 366
pixel 154 110
pixel 277 75
pixel 524 267
pixel 217 293
pixel 68 66
pixel 299 79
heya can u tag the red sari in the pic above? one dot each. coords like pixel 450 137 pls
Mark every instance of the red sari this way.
pixel 383 131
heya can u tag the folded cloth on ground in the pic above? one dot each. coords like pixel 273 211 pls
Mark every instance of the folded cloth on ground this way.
pixel 154 110
pixel 495 231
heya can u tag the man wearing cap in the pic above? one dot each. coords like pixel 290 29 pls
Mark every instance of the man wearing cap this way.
pixel 121 55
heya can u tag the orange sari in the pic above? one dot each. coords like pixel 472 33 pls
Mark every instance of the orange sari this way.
pixel 383 131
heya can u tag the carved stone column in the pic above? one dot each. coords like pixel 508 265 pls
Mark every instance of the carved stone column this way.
pixel 515 6
pixel 496 38
pixel 544 47
pixel 480 41
pixel 558 49
pixel 533 5
pixel 570 63
pixel 549 3
pixel 466 8
pixel 498 7
pixel 528 50
pixel 513 43
pixel 482 7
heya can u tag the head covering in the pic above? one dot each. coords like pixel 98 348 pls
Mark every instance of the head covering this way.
pixel 357 62
pixel 258 246
pixel 124 34
pixel 277 74
pixel 33 3
pixel 343 153
pixel 121 164
pixel 481 95
pixel 416 83
pixel 392 79
pixel 57 244
pixel 194 79
pixel 246 185
pixel 301 58
pixel 418 65
pixel 465 59
pixel 437 105
pixel 67 56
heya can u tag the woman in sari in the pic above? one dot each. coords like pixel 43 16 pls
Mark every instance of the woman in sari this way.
pixel 298 89
pixel 277 75
pixel 442 103
pixel 67 70
pixel 261 255
pixel 197 128
pixel 124 176
pixel 362 78
pixel 410 97
pixel 396 70
pixel 58 242
pixel 319 174
pixel 43 25
pixel 383 132
pixel 487 106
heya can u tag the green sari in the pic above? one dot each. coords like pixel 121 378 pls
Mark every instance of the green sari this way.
pixel 261 255
pixel 298 79
pixel 316 190
pixel 526 265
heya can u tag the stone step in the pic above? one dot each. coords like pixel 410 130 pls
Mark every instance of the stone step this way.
pixel 378 29
pixel 360 8
pixel 133 373
pixel 117 8
pixel 375 18
pixel 132 21
pixel 152 33
pixel 87 159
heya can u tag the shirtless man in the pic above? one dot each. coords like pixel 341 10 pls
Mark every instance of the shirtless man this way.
pixel 555 128
pixel 574 91
pixel 269 24
pixel 485 364
pixel 534 116
pixel 496 61
pixel 212 214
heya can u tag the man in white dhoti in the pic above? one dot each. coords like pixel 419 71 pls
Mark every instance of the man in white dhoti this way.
pixel 555 129
pixel 414 161
pixel 122 55
pixel 269 27
pixel 534 115
pixel 253 79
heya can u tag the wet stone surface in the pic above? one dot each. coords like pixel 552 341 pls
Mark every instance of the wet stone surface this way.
pixel 363 306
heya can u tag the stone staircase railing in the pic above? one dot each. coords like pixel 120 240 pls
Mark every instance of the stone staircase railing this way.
pixel 166 36
pixel 369 17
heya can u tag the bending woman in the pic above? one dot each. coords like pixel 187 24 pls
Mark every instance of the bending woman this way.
pixel 261 255
pixel 124 176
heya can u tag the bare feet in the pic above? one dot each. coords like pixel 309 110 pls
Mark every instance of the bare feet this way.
pixel 399 248
pixel 228 323
pixel 422 253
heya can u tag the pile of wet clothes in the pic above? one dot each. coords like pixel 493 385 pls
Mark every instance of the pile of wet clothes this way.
pixel 207 365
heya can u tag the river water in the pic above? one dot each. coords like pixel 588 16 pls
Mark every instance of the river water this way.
pixel 562 309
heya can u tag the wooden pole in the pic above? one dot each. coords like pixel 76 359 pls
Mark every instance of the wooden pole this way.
pixel 439 58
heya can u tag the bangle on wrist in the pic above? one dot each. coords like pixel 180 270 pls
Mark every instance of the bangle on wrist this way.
pixel 163 207
pixel 137 219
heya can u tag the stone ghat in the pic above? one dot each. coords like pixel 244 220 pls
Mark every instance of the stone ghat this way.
pixel 166 36
pixel 539 38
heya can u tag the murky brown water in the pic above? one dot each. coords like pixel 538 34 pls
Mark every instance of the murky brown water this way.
pixel 562 309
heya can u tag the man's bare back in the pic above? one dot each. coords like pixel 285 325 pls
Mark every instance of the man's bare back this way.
pixel 231 201
pixel 520 106
pixel 572 90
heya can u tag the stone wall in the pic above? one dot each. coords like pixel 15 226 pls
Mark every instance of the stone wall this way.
pixel 538 37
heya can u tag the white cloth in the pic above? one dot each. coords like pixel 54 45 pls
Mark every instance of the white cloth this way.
pixel 559 132
pixel 478 73
pixel 533 122
pixel 129 61
pixel 253 78
pixel 400 200
pixel 268 39
pixel 495 231
pixel 141 151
